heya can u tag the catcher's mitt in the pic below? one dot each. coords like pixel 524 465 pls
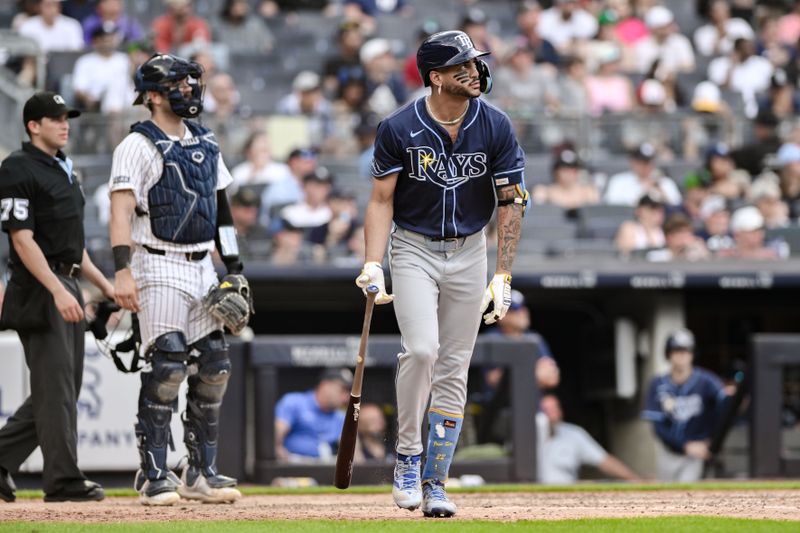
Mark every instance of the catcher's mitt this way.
pixel 230 302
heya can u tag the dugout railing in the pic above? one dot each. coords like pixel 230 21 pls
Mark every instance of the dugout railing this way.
pixel 273 358
pixel 770 357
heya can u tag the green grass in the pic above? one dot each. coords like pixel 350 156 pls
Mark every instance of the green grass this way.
pixel 679 524
pixel 257 490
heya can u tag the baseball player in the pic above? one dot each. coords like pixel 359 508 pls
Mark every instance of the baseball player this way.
pixel 168 210
pixel 442 164
pixel 683 406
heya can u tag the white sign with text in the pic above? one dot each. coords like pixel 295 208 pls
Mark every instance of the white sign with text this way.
pixel 106 408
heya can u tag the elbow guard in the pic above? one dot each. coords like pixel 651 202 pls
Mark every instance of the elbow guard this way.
pixel 521 198
pixel 227 246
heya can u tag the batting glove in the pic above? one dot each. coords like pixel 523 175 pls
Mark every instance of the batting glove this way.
pixel 499 293
pixel 372 274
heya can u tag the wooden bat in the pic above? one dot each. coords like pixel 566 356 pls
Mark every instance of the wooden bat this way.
pixel 347 440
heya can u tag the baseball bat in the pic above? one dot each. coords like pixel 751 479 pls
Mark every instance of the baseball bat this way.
pixel 347 440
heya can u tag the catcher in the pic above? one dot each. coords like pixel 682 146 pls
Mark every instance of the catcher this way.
pixel 168 210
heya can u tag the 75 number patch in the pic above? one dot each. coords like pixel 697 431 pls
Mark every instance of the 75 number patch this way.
pixel 17 206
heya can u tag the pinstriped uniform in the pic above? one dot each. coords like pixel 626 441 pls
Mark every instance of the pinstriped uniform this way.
pixel 170 287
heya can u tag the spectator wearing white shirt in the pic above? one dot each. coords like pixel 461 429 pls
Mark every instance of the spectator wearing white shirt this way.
pixel 101 79
pixel 259 168
pixel 744 72
pixel 565 23
pixel 717 37
pixel 565 447
pixel 626 188
pixel 53 31
pixel 665 44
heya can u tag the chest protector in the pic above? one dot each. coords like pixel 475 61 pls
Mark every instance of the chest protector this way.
pixel 183 203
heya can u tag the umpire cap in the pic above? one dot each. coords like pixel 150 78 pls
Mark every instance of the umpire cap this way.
pixel 680 339
pixel 445 49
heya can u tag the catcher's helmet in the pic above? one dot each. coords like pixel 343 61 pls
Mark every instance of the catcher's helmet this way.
pixel 448 48
pixel 681 339
pixel 160 72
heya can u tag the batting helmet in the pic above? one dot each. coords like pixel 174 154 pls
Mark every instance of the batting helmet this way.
pixel 448 48
pixel 160 74
pixel 681 339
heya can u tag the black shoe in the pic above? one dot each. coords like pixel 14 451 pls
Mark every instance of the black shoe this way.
pixel 81 490
pixel 8 491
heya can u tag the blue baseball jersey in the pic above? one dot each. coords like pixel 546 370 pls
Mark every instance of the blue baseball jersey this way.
pixel 447 189
pixel 686 412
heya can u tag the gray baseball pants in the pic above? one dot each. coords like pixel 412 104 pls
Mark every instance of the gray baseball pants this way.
pixel 438 288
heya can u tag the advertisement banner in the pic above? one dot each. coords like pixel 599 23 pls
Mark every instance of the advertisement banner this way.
pixel 106 408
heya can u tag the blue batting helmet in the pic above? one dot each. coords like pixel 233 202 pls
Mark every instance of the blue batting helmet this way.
pixel 448 48
pixel 681 339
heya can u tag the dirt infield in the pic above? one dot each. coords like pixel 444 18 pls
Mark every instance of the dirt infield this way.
pixel 773 504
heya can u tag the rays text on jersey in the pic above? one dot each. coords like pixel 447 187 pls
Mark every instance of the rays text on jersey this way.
pixel 426 164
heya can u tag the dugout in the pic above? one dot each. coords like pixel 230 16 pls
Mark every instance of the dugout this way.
pixel 605 320
pixel 280 364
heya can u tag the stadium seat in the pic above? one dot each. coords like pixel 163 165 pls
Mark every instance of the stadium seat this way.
pixel 790 234
pixel 59 64
pixel 537 169
pixel 583 247
pixel 601 221
pixel 548 231
pixel 545 212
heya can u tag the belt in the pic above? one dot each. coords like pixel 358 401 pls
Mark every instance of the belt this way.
pixel 437 244
pixel 190 256
pixel 72 270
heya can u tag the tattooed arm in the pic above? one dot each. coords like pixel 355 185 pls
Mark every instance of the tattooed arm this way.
pixel 509 229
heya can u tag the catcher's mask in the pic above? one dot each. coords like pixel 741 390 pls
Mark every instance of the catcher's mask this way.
pixel 131 343
pixel 163 73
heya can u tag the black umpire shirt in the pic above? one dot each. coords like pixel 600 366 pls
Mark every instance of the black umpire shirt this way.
pixel 36 193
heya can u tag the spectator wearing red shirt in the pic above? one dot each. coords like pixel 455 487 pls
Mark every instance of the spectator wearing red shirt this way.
pixel 179 26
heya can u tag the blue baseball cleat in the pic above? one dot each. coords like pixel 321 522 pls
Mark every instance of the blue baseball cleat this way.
pixel 406 491
pixel 435 503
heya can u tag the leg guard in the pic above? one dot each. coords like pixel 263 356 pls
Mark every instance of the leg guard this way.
pixel 443 433
pixel 201 418
pixel 157 400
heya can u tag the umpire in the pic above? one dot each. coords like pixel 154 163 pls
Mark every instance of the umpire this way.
pixel 41 209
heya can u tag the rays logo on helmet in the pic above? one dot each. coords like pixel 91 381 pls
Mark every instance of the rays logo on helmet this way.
pixel 464 41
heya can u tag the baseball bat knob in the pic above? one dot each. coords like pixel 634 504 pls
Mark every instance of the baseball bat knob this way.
pixel 373 289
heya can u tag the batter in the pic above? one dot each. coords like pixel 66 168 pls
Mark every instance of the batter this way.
pixel 442 164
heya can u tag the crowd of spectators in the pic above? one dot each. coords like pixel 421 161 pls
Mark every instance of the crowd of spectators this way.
pixel 723 95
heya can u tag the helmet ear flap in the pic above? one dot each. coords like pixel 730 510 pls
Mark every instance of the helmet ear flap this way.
pixel 485 75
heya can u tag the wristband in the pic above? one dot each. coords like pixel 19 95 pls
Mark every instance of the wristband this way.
pixel 122 257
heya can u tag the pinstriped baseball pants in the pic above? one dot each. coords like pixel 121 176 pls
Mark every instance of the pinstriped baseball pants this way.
pixel 171 290
pixel 437 305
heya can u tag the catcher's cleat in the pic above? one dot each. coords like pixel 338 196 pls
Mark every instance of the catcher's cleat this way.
pixel 406 490
pixel 435 503
pixel 216 489
pixel 159 492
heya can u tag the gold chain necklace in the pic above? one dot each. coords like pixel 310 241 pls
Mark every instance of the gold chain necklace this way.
pixel 446 122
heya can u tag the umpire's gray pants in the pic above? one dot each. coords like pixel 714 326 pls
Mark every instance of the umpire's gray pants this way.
pixel 437 304
pixel 48 418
